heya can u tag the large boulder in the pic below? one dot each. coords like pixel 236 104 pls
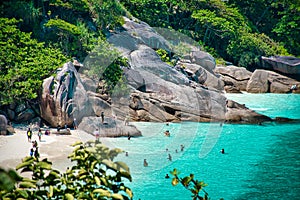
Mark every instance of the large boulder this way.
pixel 137 33
pixel 163 100
pixel 145 34
pixel 283 64
pixel 201 75
pixel 25 115
pixel 146 59
pixel 64 98
pixel 263 81
pixel 110 128
pixel 258 82
pixel 203 59
pixel 236 77
pixel 3 125
pixel 159 92
pixel 238 113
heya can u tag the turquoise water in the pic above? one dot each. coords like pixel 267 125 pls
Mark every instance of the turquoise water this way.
pixel 260 162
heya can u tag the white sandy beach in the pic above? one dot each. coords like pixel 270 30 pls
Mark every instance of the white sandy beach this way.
pixel 54 147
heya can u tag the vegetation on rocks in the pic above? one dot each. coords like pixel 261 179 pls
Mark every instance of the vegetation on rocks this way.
pixel 221 26
pixel 38 36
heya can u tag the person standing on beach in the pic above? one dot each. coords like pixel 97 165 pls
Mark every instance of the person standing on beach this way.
pixel 31 152
pixel 36 152
pixel 126 121
pixel 97 134
pixel 29 135
pixel 58 127
pixel 40 135
pixel 102 117
pixel 75 123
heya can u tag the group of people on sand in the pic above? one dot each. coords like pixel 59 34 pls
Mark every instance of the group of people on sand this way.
pixel 39 134
pixel 34 151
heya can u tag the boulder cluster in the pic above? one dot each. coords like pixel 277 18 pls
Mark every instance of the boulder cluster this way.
pixel 238 79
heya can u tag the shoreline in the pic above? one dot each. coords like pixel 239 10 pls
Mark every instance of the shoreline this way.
pixel 54 147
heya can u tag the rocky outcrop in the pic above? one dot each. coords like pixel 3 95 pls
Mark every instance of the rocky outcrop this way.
pixel 238 113
pixel 110 128
pixel 146 59
pixel 235 78
pixel 200 75
pixel 263 81
pixel 158 100
pixel 3 125
pixel 5 128
pixel 23 113
pixel 287 65
pixel 64 98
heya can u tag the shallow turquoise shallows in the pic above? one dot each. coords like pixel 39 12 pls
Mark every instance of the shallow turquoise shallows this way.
pixel 260 161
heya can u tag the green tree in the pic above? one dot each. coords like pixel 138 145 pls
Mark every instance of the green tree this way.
pixel 106 63
pixel 247 49
pixel 277 19
pixel 94 175
pixel 24 63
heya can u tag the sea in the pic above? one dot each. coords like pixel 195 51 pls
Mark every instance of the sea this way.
pixel 260 161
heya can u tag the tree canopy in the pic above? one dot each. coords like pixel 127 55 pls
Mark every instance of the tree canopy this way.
pixel 24 62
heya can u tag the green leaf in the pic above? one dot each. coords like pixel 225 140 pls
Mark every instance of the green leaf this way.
pixel 24 184
pixel 44 165
pixel 69 196
pixel 50 191
pixel 103 192
pixel 23 193
pixel 110 164
pixel 129 192
pixel 121 165
pixel 24 164
pixel 174 172
pixel 175 181
pixel 186 180
pixel 97 180
pixel 77 143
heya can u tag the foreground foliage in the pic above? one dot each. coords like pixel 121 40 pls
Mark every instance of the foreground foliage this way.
pixel 94 175
pixel 192 184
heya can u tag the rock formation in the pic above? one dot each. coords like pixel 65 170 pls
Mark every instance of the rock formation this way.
pixel 111 127
pixel 238 79
pixel 263 81
pixel 5 128
pixel 64 98
pixel 234 78
pixel 287 65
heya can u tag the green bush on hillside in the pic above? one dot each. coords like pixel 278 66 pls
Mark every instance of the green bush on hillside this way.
pixel 24 63
pixel 221 25
pixel 247 49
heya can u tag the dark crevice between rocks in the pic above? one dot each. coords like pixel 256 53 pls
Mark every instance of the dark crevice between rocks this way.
pixel 247 79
